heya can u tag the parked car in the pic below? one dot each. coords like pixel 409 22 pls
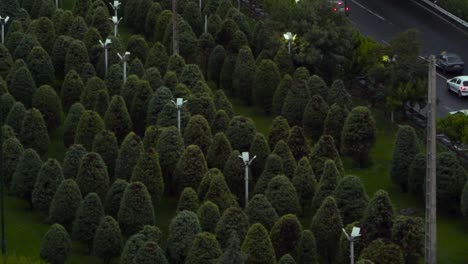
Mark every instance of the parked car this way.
pixel 459 85
pixel 450 62
pixel 340 6
pixel 444 140
pixel 463 111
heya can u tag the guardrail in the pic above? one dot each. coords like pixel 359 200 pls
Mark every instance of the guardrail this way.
pixel 447 13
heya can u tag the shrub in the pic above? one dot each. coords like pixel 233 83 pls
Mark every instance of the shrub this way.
pixel 7 101
pixel 114 197
pixel 71 90
pixel 334 123
pixel 378 250
pixel 260 210
pixel 88 217
pixel 190 75
pixel 324 150
pixel 89 96
pixel 108 241
pixel 170 143
pixel 297 143
pixel 72 161
pixel 273 167
pixel 314 117
pixel 56 245
pixel 306 249
pixel 106 145
pixel 261 150
pixel 232 220
pixel 22 86
pixel 222 103
pixel 157 55
pixel 289 163
pixel 209 215
pixel 220 122
pixel 205 249
pixel 148 171
pixel 150 138
pixel 78 27
pixel 76 57
pixel 464 201
pixel 137 47
pixel 40 66
pixel 280 94
pixel 150 252
pixel 137 241
pixel 200 103
pixel 351 199
pixel 151 20
pixel 296 99
pixel 215 64
pixel 129 152
pixel 12 150
pixel 404 152
pixel 408 233
pixel 24 47
pixel 283 196
pixel 257 245
pixel 219 151
pixel 234 171
pixel 153 76
pixel 65 202
pixel 305 184
pixel 205 45
pixel 160 98
pixel 233 254
pixel 44 30
pixel 188 200
pixel 87 72
pixel 377 221
pixel 327 184
pixel 176 64
pixel 89 126
pixel 139 106
pixel 286 259
pixel 183 229
pixel 117 119
pixel 337 94
pixel 219 193
pixel 198 133
pixel 227 72
pixel 451 178
pixel 243 78
pixel 417 175
pixel 284 61
pixel 24 177
pixel 48 179
pixel 190 169
pixel 266 79
pixel 92 175
pixel 279 130
pixel 34 132
pixel 71 123
pixel 47 101
pixel 241 132
pixel 168 116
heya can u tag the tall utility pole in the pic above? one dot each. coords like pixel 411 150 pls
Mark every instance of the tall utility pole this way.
pixel 247 161
pixel 431 209
pixel 175 35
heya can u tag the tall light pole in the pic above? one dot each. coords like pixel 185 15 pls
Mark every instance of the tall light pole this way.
pixel 355 233
pixel 178 104
pixel 115 6
pixel 200 4
pixel 3 242
pixel 247 162
pixel 105 45
pixel 116 21
pixel 206 23
pixel 289 37
pixel 4 21
pixel 124 58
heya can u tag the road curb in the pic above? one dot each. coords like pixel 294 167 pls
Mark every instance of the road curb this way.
pixel 438 10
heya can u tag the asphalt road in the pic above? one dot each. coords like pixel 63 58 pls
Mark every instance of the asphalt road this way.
pixel 383 19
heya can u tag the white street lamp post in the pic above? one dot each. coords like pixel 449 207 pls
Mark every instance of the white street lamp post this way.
pixel 206 23
pixel 4 21
pixel 105 45
pixel 178 104
pixel 200 4
pixel 355 233
pixel 116 21
pixel 115 6
pixel 289 37
pixel 124 58
pixel 247 162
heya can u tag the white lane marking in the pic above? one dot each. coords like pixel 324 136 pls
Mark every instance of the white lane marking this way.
pixel 368 10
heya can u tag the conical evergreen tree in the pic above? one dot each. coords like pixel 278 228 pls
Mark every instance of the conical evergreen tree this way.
pixel 451 178
pixel 201 103
pixel 260 210
pixel 168 116
pixel 417 175
pixel 176 64
pixel 351 199
pixel 327 184
pixel 232 220
pixel 23 180
pixel 404 152
pixel 150 252
pixel 106 145
pixel 306 249
pixel 297 143
pixel 260 150
pixel 219 193
pixel 209 215
pixel 243 76
pixel 160 98
pixel 92 175
pixel 183 229
pixel 305 184
pixel 7 101
pixel 296 99
pixel 56 245
pixel 215 63
pixel 222 103
pixel 48 179
pixel 47 101
pixel 188 200
pixel 289 163
pixel 323 151
pixel 22 86
pixel 77 56
pixel 232 254
pixel 198 133
pixel 72 161
pixel 139 106
pixel 286 259
pixel 66 201
pixel 157 55
pixel 148 172
pixel 114 197
pixel 378 218
pixel 317 86
pixel 150 139
pixel 234 172
pixel 339 95
pixel 219 151
pixel 78 27
pixel 314 117
pixel 258 247
pixel 108 241
pixel 89 95
pixel 117 119
pixel 220 122
pixel 334 123
pixel 153 76
pixel 127 159
pixel 408 234
pixel 280 94
pixel 266 79
pixel 283 196
pixel 279 130
pixel 72 88
pixel 190 169
pixel 379 250
pixel 71 123
pixel 62 43
pixel 12 151
pixel 284 61
pixel 88 217
pixel 170 143
pixel 137 241
pixel 89 126
pixel 273 167
pixel 15 117
pixel 40 65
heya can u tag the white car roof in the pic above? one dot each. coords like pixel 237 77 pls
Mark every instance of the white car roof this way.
pixel 463 77
pixel 464 111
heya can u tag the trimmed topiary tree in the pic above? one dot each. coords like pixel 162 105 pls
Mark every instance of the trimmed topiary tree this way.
pixel 7 101
pixel 22 86
pixel 314 117
pixel 209 215
pixel 136 209
pixel 66 201
pixel 56 245
pixel 323 151
pixel 48 179
pixel 108 241
pixel 12 151
pixel 40 65
pixel 127 159
pixel 232 254
pixel 260 210
pixel 215 63
pixel 76 57
pixel 183 229
pixel 106 145
pixel 188 200
pixel 170 143
pixel 305 184
pixel 198 132
pixel 296 99
pixel 227 72
pixel 71 90
pixel 222 103
pixel 351 199
pixel 297 143
pixel 306 249
pixel 150 252
pixel 283 196
pixel 289 163
pixel 273 167
pixel 92 175
pixel 243 76
pixel 408 233
pixel 220 122
pixel 286 259
pixel 148 171
pixel 257 245
pixel 378 218
pixel 285 235
pixel 137 241
pixel 334 123
pixel 71 123
pixel 190 169
pixel 24 177
pixel 157 55
pixel 451 178
pixel 15 117
pixel 261 150
pixel 114 197
pixel 88 217
pixel 219 151
pixel 117 119
pixel 267 78
pixel 78 27
pixel 417 175
pixel 379 250
pixel 337 94
pixel 168 116
pixel 201 102
pixel 405 149
pixel 219 193
pixel 205 249
pixel 89 126
pixel 139 106
pixel 279 130
pixel 72 161
pixel 190 75
pixel 327 184
pixel 160 98
pixel 150 139
pixel 232 220
pixel 280 94
pixel 47 101
pixel 234 172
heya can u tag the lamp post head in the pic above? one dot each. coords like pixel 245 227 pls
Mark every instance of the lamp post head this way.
pixel 4 20
pixel 245 156
pixel 127 54
pixel 115 5
pixel 356 232
pixel 297 1
pixel 115 20
pixel 287 35
pixel 180 102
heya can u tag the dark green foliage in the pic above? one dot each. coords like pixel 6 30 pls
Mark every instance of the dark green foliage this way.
pixel 297 98
pixel 208 214
pixel 151 20
pixel 127 159
pixel 56 245
pixel 6 61
pixel 273 167
pixel 106 145
pixel 183 229
pixel 40 65
pixel 24 177
pixel 279 130
pixel 219 151
pixel 164 18
pixel 325 149
pixel 72 161
pixel 168 116
pixel 101 102
pixel 260 210
pixel 205 249
pixel 408 233
pixel 206 181
pixel 283 196
pixel 233 254
pixel 232 220
pixel 190 75
pixel 88 217
pixel 297 143
pixel 266 80
pixel 71 90
pixel 334 122
pixel 12 151
pixel 220 122
pixel 48 179
pixel 71 123
pixel 258 247
pixel 137 241
pixel 78 27
pixel 261 150
pixel 157 57
pixel 305 184
pixel 198 133
pixel 378 218
pixel 150 252
pixel 314 117
pixel 91 40
pixel 44 30
pixel 108 241
pixel 13 40
pixel 89 126
pixel 114 197
pixel 359 134
pixel 327 184
pixel 92 175
pixel 317 86
pixel 222 103
pixel 280 94
pixel 289 163
pixel 306 249
pixel 190 169
pixel 7 101
pixel 76 57
pixel 34 132
pixel 284 61
pixel 339 95
pixel 234 171
pixel 202 104
pixel 238 41
pixel 176 64
pixel 3 87
pixel 218 192
pixel 451 178
pixel 117 119
pixel 22 86
pixel 7 132
pixel 25 46
pixel 192 15
pixel 351 199
pixel 226 73
pixel 170 143
pixel 15 117
pixel 326 226
pixel 81 7
pixel 417 175
pixel 66 201
pixel 138 48
pixel 139 106
pixel 136 68
pixel 153 76
pixel 62 21
pixel 243 79
pixel 136 209
pixel 100 20
pixel 148 171
pixel 226 32
pixel 405 149
pixel 48 103
pixel 343 255
pixel 206 43
pixel 150 139
pixel 286 259
pixel 87 72
pixel 241 132
pixel 379 251
pixel 89 95
pixel 171 81
pixel 215 64
pixel 114 79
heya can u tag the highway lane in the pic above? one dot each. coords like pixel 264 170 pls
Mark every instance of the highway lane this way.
pixel 383 19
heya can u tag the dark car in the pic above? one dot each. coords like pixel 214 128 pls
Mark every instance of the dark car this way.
pixel 450 62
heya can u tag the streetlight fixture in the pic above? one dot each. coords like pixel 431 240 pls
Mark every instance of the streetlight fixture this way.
pixel 105 45
pixel 124 58
pixel 355 233
pixel 115 6
pixel 116 21
pixel 178 104
pixel 4 21
pixel 290 38
pixel 247 161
